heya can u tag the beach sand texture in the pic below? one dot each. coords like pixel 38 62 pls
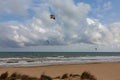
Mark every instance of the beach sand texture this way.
pixel 102 71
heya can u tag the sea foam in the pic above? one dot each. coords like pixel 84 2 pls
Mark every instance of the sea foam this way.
pixel 42 61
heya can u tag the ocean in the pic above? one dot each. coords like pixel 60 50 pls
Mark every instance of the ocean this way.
pixel 17 59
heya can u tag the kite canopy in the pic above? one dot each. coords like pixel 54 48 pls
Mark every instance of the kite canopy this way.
pixel 95 48
pixel 52 17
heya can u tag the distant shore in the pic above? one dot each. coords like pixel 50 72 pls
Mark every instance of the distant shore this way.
pixel 102 71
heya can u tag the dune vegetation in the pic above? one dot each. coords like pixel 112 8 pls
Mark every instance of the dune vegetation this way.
pixel 16 76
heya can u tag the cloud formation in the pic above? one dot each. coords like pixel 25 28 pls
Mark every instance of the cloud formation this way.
pixel 16 7
pixel 72 25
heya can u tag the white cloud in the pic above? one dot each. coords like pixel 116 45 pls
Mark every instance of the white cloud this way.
pixel 98 33
pixel 17 7
pixel 71 26
pixel 115 30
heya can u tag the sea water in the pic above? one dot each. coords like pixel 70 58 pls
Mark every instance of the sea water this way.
pixel 17 59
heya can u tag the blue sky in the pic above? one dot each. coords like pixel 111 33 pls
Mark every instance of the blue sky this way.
pixel 79 24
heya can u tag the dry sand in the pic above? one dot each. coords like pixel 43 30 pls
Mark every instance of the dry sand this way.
pixel 102 71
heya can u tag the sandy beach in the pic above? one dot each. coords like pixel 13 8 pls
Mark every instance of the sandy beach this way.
pixel 102 71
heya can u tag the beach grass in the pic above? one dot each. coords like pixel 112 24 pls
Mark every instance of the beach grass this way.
pixel 16 76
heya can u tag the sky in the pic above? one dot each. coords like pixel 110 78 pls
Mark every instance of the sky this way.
pixel 79 25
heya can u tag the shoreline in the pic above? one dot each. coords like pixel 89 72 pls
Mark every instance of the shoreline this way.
pixel 101 70
pixel 63 64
